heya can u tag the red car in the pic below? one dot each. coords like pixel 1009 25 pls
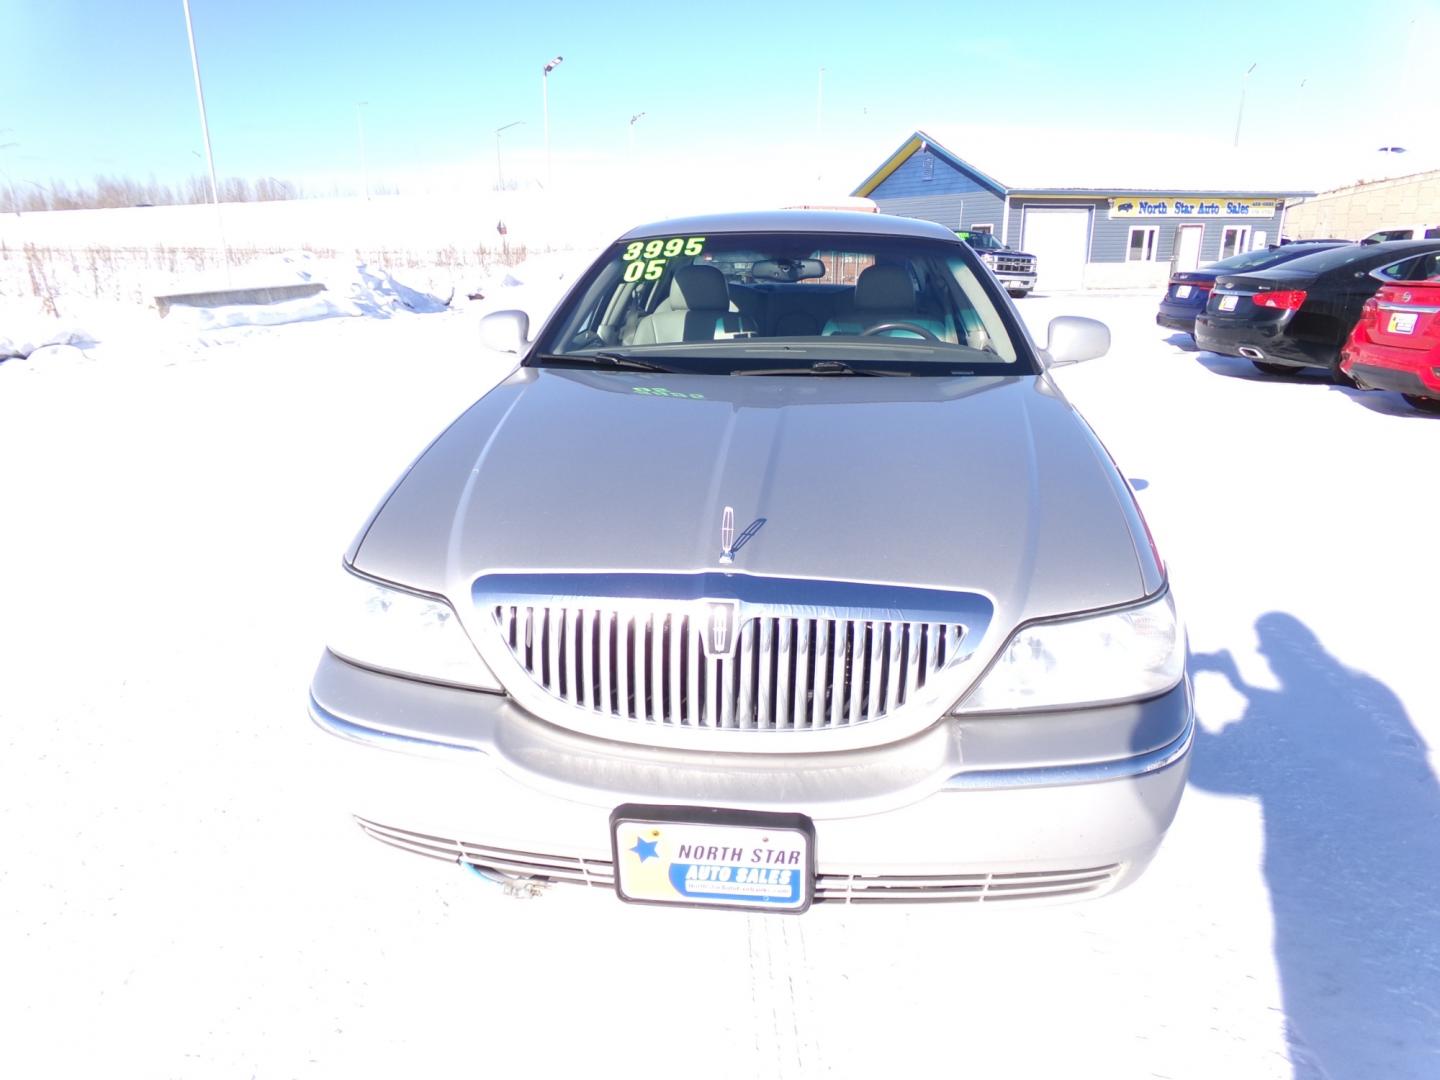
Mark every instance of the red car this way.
pixel 1396 343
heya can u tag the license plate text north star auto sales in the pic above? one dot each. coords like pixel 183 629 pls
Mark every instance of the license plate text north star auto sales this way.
pixel 713 858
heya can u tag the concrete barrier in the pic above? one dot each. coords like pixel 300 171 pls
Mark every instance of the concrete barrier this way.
pixel 265 294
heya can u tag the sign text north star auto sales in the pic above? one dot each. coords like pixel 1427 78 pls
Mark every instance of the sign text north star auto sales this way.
pixel 1134 206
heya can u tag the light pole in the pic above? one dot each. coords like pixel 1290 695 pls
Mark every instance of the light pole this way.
pixel 637 117
pixel 499 169
pixel 1240 113
pixel 205 131
pixel 545 108
pixel 360 128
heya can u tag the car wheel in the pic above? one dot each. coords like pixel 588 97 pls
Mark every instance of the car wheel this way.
pixel 1274 369
pixel 1019 293
pixel 1424 404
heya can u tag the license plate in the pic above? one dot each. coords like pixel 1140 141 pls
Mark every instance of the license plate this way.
pixel 1182 292
pixel 711 857
pixel 1401 322
pixel 1227 303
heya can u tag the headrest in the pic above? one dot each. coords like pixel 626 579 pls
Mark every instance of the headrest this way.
pixel 699 288
pixel 884 288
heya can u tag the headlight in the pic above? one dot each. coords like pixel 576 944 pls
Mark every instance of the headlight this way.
pixel 379 626
pixel 1117 656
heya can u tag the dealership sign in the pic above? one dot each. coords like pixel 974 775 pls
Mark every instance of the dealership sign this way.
pixel 1136 206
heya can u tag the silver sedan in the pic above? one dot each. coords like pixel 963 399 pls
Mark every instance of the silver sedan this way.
pixel 778 571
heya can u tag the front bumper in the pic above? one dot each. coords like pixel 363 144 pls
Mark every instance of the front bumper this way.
pixel 989 807
pixel 1017 282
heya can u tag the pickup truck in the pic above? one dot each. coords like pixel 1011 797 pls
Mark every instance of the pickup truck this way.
pixel 1015 269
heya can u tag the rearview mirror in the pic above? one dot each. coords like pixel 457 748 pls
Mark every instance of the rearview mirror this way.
pixel 505 331
pixel 1073 339
pixel 787 269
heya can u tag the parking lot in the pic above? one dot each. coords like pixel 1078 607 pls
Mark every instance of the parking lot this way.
pixel 178 897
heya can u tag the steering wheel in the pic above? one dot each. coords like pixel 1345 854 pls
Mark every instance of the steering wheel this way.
pixel 880 328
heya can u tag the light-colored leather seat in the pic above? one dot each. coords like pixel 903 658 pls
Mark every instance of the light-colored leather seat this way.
pixel 697 309
pixel 886 294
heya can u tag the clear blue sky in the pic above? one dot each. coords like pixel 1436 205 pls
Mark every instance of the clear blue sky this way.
pixel 104 86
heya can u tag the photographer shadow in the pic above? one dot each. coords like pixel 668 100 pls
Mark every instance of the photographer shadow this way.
pixel 1352 854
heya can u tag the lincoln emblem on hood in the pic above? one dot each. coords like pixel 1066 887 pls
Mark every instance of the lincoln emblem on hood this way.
pixel 727 535
pixel 729 542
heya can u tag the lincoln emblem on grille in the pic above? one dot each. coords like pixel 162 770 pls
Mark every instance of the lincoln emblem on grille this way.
pixel 722 617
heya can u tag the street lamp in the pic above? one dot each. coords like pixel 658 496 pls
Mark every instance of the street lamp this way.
pixel 638 116
pixel 545 108
pixel 1244 79
pixel 205 131
pixel 499 170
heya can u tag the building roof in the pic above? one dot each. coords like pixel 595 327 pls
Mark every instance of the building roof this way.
pixel 1014 161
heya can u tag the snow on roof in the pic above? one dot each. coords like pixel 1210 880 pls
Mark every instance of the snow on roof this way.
pixel 1076 159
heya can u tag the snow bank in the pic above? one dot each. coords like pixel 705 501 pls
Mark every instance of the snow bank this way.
pixel 350 291
pixel 25 330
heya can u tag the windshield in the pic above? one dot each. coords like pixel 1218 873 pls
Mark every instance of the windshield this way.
pixel 1258 260
pixel 981 241
pixel 755 302
pixel 1331 259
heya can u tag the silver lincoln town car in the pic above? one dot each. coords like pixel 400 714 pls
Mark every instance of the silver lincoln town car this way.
pixel 779 571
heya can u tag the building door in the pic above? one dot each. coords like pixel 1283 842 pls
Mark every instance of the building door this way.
pixel 1060 241
pixel 1187 247
pixel 1233 240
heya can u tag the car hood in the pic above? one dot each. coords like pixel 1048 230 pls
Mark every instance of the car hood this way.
pixel 990 484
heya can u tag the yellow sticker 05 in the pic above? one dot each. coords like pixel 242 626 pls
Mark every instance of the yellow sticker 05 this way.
pixel 650 270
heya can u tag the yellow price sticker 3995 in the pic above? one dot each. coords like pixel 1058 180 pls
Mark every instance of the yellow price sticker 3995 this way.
pixel 655 249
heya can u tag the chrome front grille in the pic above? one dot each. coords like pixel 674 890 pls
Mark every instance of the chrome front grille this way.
pixel 667 667
pixel 1014 264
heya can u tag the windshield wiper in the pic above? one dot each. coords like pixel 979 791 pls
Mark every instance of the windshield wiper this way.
pixel 821 367
pixel 602 359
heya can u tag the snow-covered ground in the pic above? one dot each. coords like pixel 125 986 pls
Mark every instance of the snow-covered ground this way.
pixel 177 900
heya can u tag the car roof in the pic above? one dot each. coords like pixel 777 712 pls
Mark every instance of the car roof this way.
pixel 1400 247
pixel 849 222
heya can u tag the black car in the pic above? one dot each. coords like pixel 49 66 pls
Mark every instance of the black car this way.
pixel 1298 315
pixel 1188 290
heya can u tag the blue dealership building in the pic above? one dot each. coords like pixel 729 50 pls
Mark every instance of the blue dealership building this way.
pixel 1097 211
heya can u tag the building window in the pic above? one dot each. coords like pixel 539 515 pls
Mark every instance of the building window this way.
pixel 1233 240
pixel 1143 240
pixel 983 229
pixel 927 166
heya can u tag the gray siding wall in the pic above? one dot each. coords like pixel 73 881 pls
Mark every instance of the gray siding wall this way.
pixel 1110 236
pixel 951 198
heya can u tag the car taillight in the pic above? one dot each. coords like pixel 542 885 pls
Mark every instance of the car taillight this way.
pixel 1284 299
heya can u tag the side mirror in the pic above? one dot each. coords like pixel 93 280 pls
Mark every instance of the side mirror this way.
pixel 1073 339
pixel 505 331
